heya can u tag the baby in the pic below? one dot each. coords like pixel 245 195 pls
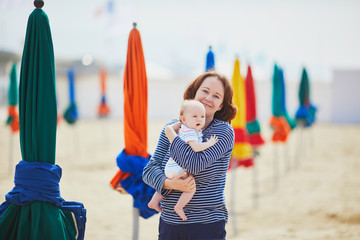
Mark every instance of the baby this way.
pixel 192 116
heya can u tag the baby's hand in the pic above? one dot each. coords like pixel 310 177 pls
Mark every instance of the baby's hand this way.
pixel 212 140
pixel 176 126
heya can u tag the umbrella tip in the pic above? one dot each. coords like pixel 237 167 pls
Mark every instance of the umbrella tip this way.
pixel 38 3
pixel 134 25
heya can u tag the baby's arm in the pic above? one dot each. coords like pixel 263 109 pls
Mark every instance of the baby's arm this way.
pixel 201 146
pixel 170 132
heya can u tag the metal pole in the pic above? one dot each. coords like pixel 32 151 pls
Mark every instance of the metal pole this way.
pixel 287 158
pixel 276 168
pixel 255 182
pixel 136 214
pixel 301 152
pixel 11 152
pixel 232 195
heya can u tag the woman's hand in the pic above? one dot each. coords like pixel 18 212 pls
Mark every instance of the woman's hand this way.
pixel 183 182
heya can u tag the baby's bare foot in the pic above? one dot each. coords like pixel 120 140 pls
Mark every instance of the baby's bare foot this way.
pixel 180 212
pixel 155 206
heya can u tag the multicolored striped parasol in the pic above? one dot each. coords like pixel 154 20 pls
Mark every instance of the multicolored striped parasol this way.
pixel 242 153
pixel 252 124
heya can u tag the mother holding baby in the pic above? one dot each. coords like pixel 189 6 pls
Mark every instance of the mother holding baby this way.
pixel 206 212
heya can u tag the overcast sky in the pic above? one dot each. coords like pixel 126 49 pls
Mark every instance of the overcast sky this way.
pixel 319 34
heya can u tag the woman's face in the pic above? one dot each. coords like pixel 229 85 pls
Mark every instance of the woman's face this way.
pixel 211 95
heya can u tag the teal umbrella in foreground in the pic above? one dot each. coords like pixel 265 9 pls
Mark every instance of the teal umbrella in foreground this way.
pixel 34 208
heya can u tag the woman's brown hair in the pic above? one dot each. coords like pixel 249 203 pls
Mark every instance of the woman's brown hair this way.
pixel 228 110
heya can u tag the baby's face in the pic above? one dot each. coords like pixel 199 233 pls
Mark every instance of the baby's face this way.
pixel 194 117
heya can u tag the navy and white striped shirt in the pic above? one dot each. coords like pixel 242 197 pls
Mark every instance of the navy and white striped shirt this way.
pixel 209 168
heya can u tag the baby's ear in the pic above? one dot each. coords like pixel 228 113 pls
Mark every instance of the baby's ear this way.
pixel 182 119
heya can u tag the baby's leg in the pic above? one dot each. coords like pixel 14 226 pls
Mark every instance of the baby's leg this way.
pixel 155 201
pixel 184 199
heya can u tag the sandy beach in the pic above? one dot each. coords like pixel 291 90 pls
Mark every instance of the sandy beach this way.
pixel 316 197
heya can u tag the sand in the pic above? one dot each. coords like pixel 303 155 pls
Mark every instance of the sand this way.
pixel 316 196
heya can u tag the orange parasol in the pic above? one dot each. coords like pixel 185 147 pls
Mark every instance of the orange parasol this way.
pixel 134 157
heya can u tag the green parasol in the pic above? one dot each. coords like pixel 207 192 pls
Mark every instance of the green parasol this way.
pixel 34 212
pixel 13 118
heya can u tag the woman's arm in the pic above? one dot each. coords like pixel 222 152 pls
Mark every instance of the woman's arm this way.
pixel 153 174
pixel 195 162
pixel 183 182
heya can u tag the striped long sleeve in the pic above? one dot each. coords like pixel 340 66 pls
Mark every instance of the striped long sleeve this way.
pixel 208 167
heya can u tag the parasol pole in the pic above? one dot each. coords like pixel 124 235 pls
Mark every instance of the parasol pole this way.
pixel 232 195
pixel 300 143
pixel 275 168
pixel 287 158
pixel 11 152
pixel 136 214
pixel 136 211
pixel 255 181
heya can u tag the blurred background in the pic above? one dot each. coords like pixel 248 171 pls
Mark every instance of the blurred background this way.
pixel 307 185
pixel 322 36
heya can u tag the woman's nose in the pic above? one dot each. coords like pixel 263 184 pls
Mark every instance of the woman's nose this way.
pixel 208 98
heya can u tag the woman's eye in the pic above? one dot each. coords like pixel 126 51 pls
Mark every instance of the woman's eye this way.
pixel 216 96
pixel 205 91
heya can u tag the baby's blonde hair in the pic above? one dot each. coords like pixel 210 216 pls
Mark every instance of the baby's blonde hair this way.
pixel 189 103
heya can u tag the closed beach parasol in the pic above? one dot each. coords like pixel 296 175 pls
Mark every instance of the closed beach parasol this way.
pixel 253 129
pixel 291 121
pixel 306 111
pixel 210 61
pixel 252 124
pixel 242 154
pixel 134 157
pixel 13 117
pixel 34 208
pixel 278 122
pixel 103 109
pixel 71 112
pixel 305 114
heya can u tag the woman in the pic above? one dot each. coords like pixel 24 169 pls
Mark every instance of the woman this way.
pixel 206 212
